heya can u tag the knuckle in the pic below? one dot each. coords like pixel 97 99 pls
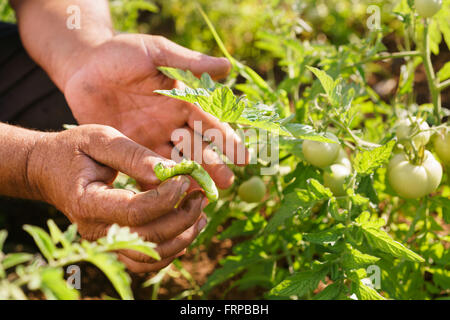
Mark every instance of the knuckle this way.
pixel 156 236
pixel 159 54
pixel 135 214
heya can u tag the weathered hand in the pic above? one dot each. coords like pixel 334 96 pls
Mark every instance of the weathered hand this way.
pixel 74 169
pixel 113 85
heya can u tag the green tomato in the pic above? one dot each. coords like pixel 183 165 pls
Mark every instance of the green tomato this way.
pixel 408 127
pixel 343 159
pixel 442 146
pixel 252 190
pixel 428 8
pixel 414 181
pixel 336 178
pixel 321 154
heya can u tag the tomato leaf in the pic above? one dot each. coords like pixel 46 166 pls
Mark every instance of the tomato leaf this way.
pixel 367 161
pixel 298 284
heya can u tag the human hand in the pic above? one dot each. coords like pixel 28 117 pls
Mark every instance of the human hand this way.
pixel 113 84
pixel 74 170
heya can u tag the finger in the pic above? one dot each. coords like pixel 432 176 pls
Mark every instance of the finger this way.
pixel 175 222
pixel 126 208
pixel 169 54
pixel 138 267
pixel 111 148
pixel 221 134
pixel 173 246
pixel 192 147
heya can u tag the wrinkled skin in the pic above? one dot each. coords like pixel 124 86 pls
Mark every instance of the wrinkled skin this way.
pixel 74 169
pixel 114 83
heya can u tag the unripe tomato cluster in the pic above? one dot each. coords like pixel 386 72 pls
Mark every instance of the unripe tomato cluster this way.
pixel 321 154
pixel 332 158
pixel 410 180
pixel 415 128
pixel 415 180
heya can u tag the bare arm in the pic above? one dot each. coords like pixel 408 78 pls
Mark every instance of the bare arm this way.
pixel 64 169
pixel 56 48
pixel 110 79
pixel 16 145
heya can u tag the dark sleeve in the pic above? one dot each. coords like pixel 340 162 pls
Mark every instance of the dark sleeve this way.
pixel 27 95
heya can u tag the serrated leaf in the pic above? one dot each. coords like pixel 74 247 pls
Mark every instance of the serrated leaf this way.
pixel 329 293
pixel 262 116
pixel 380 240
pixel 232 266
pixel 330 235
pixel 221 103
pixel 367 161
pixel 319 191
pixel 366 188
pixel 367 220
pixel 290 205
pixel 366 293
pixel 188 78
pixel 298 284
pixel 328 84
pixel 354 259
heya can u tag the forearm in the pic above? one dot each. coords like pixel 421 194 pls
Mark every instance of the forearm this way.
pixel 48 40
pixel 16 144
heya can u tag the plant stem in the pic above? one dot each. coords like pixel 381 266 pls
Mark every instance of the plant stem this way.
pixel 384 56
pixel 444 85
pixel 431 77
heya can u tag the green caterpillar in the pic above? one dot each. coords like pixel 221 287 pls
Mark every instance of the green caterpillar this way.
pixel 193 169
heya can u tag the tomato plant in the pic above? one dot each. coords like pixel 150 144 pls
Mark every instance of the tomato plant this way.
pixel 414 180
pixel 359 205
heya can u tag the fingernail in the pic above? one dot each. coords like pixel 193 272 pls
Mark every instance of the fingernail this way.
pixel 204 203
pixel 201 224
pixel 180 253
pixel 186 184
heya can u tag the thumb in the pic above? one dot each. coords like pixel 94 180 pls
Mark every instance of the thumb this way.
pixel 109 147
pixel 169 54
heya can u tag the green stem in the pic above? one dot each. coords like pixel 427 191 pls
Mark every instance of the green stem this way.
pixel 358 141
pixel 431 77
pixel 384 56
pixel 444 85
